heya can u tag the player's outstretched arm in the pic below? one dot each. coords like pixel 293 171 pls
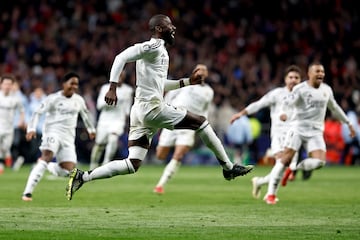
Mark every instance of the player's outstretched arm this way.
pixel 238 115
pixel 197 76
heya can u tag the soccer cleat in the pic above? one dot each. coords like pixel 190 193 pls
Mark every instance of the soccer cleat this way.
pixel 256 189
pixel 276 198
pixel 306 174
pixel 159 190
pixel 75 182
pixel 271 199
pixel 27 197
pixel 236 171
pixel 285 177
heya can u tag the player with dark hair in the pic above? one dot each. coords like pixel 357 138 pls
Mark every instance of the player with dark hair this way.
pixel 310 101
pixel 9 104
pixel 62 109
pixel 149 112
pixel 273 99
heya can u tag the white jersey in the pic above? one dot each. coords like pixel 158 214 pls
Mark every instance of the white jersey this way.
pixel 152 62
pixel 274 100
pixel 62 114
pixel 8 106
pixel 114 117
pixel 194 98
pixel 310 105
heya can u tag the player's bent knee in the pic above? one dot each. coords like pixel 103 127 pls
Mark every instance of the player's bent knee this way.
pixel 191 121
pixel 161 153
pixel 136 156
pixel 136 163
pixel 161 156
pixel 179 155
pixel 202 119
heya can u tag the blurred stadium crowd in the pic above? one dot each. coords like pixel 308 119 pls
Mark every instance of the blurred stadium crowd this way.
pixel 246 44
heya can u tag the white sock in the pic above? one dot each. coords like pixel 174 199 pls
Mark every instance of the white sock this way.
pixel 169 171
pixel 113 168
pixel 55 169
pixel 18 163
pixel 292 166
pixel 263 180
pixel 209 137
pixel 95 155
pixel 294 161
pixel 275 176
pixel 310 164
pixel 35 176
pixel 111 148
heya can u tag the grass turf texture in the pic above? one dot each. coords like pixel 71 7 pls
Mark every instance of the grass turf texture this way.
pixel 198 204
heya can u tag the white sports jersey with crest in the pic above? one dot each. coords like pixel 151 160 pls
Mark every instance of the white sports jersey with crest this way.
pixel 274 100
pixel 114 117
pixel 152 62
pixel 62 114
pixel 8 106
pixel 194 98
pixel 310 106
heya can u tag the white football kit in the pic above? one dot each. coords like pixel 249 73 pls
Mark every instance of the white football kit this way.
pixel 279 129
pixel 149 112
pixel 60 124
pixel 8 106
pixel 310 106
pixel 195 99
pixel 112 119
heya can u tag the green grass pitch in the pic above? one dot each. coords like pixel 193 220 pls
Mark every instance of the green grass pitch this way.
pixel 198 204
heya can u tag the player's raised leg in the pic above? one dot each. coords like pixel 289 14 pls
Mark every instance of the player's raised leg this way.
pixel 211 140
pixel 111 148
pixel 137 151
pixel 95 156
pixel 34 178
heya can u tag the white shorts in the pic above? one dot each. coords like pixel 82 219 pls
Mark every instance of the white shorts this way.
pixel 170 138
pixel 294 140
pixel 147 117
pixel 102 133
pixel 6 140
pixel 277 142
pixel 62 146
